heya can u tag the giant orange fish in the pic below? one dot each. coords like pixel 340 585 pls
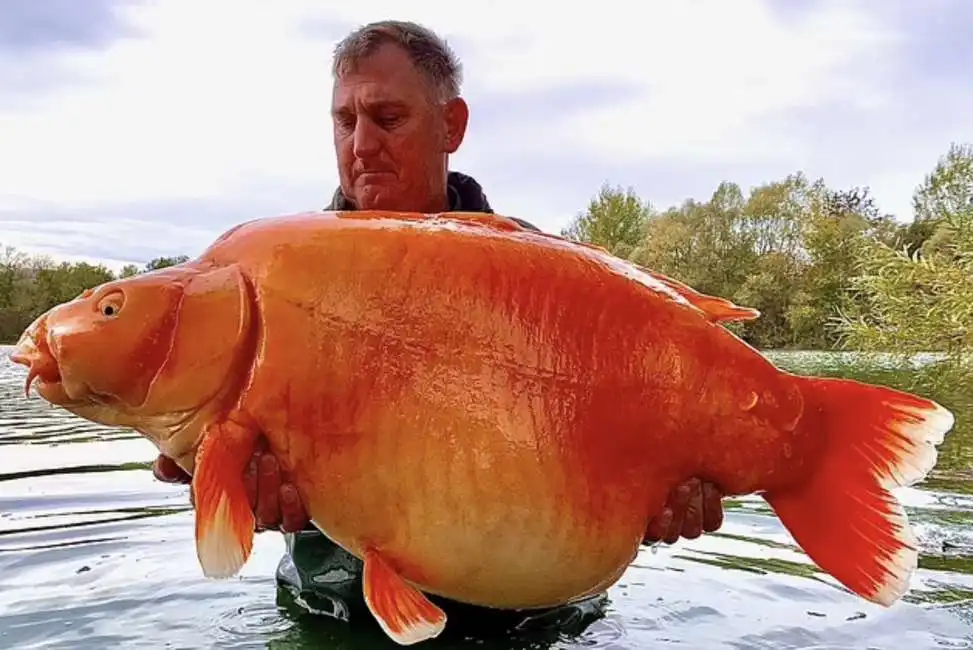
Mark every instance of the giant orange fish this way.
pixel 476 410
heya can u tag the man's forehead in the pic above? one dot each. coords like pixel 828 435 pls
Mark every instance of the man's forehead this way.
pixel 384 76
pixel 371 93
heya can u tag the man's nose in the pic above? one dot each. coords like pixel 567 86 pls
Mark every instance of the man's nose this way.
pixel 367 139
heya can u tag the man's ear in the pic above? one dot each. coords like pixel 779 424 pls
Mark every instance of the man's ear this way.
pixel 457 116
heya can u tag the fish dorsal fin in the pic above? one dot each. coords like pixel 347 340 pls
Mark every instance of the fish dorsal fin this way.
pixel 718 310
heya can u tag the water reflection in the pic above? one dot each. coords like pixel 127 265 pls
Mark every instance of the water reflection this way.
pixel 96 554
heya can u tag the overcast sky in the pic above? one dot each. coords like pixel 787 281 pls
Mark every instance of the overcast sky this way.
pixel 131 130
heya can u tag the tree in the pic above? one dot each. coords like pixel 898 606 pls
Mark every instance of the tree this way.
pixel 836 227
pixel 701 244
pixel 948 190
pixel 66 281
pixel 30 285
pixel 164 262
pixel 615 220
pixel 921 300
pixel 745 249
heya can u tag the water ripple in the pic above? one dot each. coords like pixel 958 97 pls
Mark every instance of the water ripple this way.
pixel 248 622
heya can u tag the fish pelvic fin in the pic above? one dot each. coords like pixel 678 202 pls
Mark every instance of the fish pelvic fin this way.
pixel 845 517
pixel 402 611
pixel 224 517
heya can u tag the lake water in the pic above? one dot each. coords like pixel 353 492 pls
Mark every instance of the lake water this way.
pixel 94 553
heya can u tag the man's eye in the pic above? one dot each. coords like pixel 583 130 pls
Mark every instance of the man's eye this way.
pixel 389 121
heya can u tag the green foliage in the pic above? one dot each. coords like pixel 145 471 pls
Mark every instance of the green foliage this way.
pixel 614 220
pixel 30 285
pixel 948 189
pixel 163 262
pixel 921 300
pixel 824 266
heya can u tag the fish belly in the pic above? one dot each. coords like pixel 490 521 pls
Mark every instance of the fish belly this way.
pixel 478 514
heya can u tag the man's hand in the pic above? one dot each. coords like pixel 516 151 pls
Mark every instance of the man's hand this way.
pixel 275 502
pixel 694 507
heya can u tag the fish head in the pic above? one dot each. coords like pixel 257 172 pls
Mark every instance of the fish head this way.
pixel 144 350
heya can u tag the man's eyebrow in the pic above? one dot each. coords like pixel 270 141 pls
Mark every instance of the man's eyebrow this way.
pixel 379 104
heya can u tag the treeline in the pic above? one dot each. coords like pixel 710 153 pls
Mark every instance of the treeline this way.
pixel 30 285
pixel 825 266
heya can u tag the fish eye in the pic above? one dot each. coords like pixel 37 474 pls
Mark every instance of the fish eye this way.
pixel 110 305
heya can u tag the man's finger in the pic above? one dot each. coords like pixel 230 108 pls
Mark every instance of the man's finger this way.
pixel 679 497
pixel 712 508
pixel 678 502
pixel 658 527
pixel 251 480
pixel 292 514
pixel 692 524
pixel 672 535
pixel 268 502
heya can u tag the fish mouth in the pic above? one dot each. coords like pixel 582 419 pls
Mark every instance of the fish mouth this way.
pixel 33 352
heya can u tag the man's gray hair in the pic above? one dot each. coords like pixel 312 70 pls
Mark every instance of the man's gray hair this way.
pixel 427 51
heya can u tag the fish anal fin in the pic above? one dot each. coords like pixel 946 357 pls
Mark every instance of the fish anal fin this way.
pixel 403 612
pixel 224 518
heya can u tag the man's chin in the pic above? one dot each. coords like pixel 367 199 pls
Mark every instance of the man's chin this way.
pixel 381 196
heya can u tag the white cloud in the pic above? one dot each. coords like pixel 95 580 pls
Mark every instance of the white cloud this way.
pixel 219 98
pixel 216 92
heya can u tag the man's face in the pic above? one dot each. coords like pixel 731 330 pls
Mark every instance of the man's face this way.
pixel 391 135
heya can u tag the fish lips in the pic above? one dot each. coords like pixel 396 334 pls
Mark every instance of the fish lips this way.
pixel 43 371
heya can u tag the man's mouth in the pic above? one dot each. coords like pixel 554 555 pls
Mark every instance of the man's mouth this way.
pixel 374 174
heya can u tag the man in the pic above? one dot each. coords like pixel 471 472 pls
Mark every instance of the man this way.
pixel 397 116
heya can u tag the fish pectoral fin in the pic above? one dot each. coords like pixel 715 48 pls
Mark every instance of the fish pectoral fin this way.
pixel 405 614
pixel 224 518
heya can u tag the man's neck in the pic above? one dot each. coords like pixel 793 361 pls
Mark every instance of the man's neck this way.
pixel 438 204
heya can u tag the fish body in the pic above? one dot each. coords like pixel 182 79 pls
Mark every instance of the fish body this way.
pixel 476 410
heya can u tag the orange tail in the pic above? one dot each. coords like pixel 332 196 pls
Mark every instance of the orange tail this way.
pixel 844 517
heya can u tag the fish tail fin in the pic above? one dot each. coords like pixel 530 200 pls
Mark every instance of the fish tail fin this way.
pixel 844 516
